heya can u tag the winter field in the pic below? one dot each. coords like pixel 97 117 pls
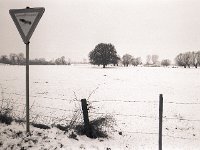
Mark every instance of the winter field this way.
pixel 129 94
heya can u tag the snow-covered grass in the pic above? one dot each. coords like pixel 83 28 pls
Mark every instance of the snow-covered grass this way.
pixel 130 94
pixel 14 137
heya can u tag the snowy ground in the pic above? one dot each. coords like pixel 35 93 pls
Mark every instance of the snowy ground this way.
pixel 14 137
pixel 130 94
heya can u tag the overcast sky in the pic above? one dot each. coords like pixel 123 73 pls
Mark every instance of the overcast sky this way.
pixel 73 27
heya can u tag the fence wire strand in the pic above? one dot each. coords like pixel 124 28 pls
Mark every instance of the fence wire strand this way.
pixel 103 113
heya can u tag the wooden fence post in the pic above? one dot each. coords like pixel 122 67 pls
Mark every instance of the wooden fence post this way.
pixel 86 118
pixel 160 120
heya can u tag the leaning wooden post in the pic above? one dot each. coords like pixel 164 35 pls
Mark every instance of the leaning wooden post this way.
pixel 86 118
pixel 160 120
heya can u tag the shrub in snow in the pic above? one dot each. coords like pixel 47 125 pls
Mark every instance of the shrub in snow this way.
pixel 5 117
pixel 99 127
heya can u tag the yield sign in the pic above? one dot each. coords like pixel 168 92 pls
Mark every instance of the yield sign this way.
pixel 26 21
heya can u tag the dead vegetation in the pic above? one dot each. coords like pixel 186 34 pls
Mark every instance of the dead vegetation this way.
pixel 99 127
pixel 5 110
pixel 5 116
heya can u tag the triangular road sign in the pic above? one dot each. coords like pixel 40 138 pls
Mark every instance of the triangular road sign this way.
pixel 26 21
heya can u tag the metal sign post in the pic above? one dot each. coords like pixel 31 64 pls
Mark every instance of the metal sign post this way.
pixel 27 88
pixel 26 21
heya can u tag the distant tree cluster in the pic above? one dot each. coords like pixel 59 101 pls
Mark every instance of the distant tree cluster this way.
pixel 188 59
pixel 166 62
pixel 104 54
pixel 19 59
pixel 13 59
pixel 152 60
pixel 4 59
pixel 128 59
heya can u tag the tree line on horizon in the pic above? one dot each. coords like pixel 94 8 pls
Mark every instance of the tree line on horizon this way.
pixel 105 54
pixel 19 59
pixel 188 59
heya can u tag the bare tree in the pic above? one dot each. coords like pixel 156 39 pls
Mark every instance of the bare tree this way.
pixel 139 60
pixel 185 59
pixel 136 61
pixel 154 59
pixel 148 59
pixel 198 57
pixel 13 59
pixel 195 60
pixel 63 61
pixel 69 61
pixel 179 60
pixel 21 59
pixel 126 59
pixel 165 62
pixel 60 61
pixel 4 59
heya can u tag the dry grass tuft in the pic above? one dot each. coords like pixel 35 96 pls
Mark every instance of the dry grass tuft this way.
pixel 99 127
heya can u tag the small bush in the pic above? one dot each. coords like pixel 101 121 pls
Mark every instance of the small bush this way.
pixel 98 127
pixel 5 110
pixel 5 117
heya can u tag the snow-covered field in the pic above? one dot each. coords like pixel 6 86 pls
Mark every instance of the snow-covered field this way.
pixel 130 94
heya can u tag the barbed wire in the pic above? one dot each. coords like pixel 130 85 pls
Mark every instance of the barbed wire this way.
pixel 124 115
pixel 155 133
pixel 178 137
pixel 137 132
pixel 123 131
pixel 42 115
pixel 183 103
pixel 105 100
pixel 182 119
pixel 44 97
pixel 103 113
pixel 46 107
pixel 116 114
